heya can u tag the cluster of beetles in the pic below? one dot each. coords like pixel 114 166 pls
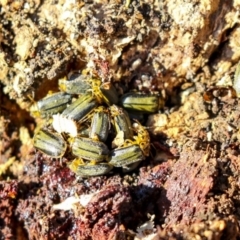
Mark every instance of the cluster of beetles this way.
pixel 88 120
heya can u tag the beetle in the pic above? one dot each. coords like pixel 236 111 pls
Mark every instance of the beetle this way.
pixel 80 108
pixel 133 151
pixel 144 103
pixel 126 155
pixel 89 170
pixel 80 84
pixel 79 111
pixel 104 93
pixel 100 125
pixel 89 149
pixel 109 93
pixel 76 84
pixel 121 121
pixel 51 104
pixel 52 144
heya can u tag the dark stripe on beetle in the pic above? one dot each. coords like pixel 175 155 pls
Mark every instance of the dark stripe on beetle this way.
pixel 74 113
pixel 130 155
pixel 89 145
pixel 54 107
pixel 53 137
